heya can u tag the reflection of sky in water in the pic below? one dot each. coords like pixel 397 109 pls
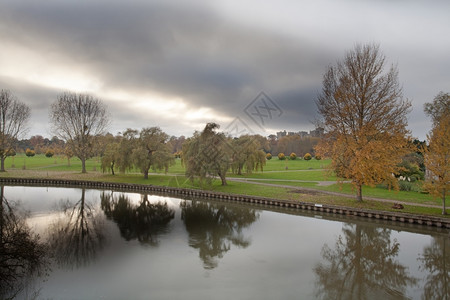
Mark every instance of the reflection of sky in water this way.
pixel 277 264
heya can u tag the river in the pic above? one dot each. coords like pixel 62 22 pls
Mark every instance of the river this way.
pixel 93 244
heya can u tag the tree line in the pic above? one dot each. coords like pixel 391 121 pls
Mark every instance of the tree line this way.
pixel 361 107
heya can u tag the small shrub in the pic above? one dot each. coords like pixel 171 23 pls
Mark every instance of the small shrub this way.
pixel 30 153
pixel 281 156
pixel 268 156
pixel 49 153
pixel 307 156
pixel 293 156
pixel 318 157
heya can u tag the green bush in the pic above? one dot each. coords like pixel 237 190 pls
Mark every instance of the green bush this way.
pixel 318 157
pixel 307 156
pixel 268 156
pixel 404 186
pixel 281 156
pixel 293 156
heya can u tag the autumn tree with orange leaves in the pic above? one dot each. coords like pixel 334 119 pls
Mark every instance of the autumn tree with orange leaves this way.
pixel 364 114
pixel 437 154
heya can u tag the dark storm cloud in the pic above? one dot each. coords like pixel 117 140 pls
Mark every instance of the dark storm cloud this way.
pixel 174 50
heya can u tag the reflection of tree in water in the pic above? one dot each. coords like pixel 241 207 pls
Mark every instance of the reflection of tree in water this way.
pixel 143 221
pixel 22 255
pixel 76 238
pixel 436 260
pixel 213 228
pixel 362 266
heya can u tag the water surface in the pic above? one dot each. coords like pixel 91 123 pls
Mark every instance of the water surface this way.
pixel 115 245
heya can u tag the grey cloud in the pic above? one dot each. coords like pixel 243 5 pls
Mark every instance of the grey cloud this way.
pixel 190 50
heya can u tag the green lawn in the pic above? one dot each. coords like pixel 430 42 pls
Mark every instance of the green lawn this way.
pixel 308 175
pixel 299 164
pixel 306 172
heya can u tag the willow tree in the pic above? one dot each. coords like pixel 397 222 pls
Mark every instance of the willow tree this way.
pixel 14 116
pixel 247 154
pixel 437 155
pixel 151 151
pixel 78 119
pixel 207 154
pixel 364 114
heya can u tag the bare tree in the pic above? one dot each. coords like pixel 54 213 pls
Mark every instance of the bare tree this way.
pixel 78 118
pixel 364 112
pixel 14 116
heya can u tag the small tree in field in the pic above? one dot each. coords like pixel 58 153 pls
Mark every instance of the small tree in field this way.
pixel 293 156
pixel 268 156
pixel 281 156
pixel 364 114
pixel 49 153
pixel 307 156
pixel 30 153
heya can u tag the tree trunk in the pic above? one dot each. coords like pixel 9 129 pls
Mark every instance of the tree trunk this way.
pixel 112 168
pixel 224 180
pixel 359 192
pixel 83 165
pixel 2 169
pixel 146 174
pixel 444 212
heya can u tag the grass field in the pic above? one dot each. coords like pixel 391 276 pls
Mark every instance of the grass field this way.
pixel 295 175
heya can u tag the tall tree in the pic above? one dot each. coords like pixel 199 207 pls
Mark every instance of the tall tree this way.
pixel 151 151
pixel 207 154
pixel 364 113
pixel 437 155
pixel 77 119
pixel 438 108
pixel 14 116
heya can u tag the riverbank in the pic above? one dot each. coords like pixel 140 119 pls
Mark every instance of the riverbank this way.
pixel 397 216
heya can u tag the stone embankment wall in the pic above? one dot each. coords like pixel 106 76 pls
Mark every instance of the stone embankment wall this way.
pixel 348 211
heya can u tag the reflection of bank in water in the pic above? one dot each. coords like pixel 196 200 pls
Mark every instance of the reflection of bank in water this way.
pixel 77 236
pixel 22 255
pixel 214 227
pixel 142 221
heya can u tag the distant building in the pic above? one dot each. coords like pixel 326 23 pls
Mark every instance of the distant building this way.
pixel 280 134
pixel 318 132
pixel 303 134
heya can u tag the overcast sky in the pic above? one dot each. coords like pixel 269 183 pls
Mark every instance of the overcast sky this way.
pixel 181 64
